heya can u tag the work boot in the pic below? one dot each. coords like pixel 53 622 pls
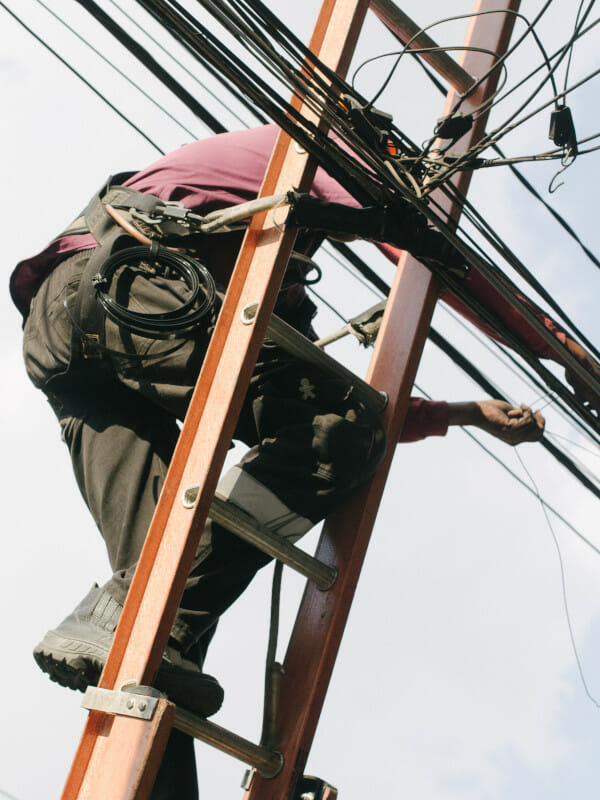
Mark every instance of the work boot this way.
pixel 74 655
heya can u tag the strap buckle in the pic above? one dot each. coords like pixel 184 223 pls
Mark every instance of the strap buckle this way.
pixel 90 346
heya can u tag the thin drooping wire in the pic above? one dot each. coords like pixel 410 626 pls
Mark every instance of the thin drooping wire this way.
pixel 565 441
pixel 568 66
pixel 325 302
pixel 595 453
pixel 563 584
pixel 99 94
pixel 327 248
pixel 523 483
pixel 507 125
pixel 7 795
pixel 519 175
pixel 116 69
pixel 407 49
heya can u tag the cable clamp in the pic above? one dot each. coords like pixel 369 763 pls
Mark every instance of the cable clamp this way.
pixel 98 280
pixel 169 211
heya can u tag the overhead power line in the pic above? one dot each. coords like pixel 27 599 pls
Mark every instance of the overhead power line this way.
pixel 136 49
pixel 367 272
pixel 90 86
pixel 171 55
pixel 9 796
pixel 116 69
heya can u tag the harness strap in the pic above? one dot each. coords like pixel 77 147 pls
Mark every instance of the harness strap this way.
pixel 79 224
pixel 86 314
pixel 139 209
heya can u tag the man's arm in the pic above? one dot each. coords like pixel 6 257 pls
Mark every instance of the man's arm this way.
pixel 509 423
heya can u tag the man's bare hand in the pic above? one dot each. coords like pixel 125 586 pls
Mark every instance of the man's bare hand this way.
pixel 511 424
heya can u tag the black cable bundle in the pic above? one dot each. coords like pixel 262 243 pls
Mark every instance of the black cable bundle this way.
pixel 167 263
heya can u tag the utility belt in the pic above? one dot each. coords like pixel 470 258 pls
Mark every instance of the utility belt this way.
pixel 167 236
pixel 164 231
pixel 136 229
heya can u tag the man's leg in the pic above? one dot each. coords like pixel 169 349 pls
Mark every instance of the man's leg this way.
pixel 312 444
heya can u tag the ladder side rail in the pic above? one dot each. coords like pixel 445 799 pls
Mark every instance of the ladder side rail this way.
pixel 175 530
pixel 321 618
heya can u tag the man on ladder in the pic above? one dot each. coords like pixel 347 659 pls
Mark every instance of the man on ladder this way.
pixel 115 336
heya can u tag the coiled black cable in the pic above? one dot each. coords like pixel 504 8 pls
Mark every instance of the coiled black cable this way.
pixel 164 263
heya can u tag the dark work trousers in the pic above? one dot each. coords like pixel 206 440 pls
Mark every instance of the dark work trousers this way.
pixel 310 444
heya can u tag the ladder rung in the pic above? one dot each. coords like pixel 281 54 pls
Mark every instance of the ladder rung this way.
pixel 248 529
pixel 298 345
pixel 267 762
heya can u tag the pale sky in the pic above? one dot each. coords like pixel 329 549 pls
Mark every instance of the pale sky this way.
pixel 456 678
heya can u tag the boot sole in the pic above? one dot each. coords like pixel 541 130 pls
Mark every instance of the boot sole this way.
pixel 73 673
pixel 72 663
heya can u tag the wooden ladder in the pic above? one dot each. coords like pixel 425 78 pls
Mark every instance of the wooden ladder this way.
pixel 128 724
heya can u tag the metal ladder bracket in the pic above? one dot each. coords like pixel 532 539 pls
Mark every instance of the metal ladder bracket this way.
pixel 131 700
pixel 311 788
